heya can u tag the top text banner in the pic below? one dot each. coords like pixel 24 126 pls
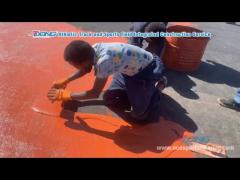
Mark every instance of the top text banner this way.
pixel 52 34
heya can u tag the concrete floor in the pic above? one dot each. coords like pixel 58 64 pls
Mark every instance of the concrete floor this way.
pixel 192 97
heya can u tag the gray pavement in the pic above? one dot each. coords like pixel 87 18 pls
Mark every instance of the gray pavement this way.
pixel 192 98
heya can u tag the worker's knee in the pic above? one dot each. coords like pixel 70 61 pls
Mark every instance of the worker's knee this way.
pixel 112 96
pixel 107 98
pixel 116 98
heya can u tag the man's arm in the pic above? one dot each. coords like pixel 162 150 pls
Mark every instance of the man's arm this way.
pixel 63 82
pixel 93 93
pixel 76 75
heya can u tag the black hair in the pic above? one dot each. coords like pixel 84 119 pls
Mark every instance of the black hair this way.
pixel 156 27
pixel 79 51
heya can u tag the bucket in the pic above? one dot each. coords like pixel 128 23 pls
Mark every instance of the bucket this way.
pixel 184 53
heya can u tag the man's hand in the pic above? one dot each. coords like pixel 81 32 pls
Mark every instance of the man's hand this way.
pixel 60 84
pixel 59 95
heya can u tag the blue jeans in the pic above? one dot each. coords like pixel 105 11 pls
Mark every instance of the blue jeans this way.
pixel 137 91
pixel 237 97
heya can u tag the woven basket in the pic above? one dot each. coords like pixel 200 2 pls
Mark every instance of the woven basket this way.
pixel 184 53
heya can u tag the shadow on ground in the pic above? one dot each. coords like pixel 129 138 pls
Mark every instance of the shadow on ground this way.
pixel 182 84
pixel 138 138
pixel 131 138
pixel 173 111
pixel 213 72
pixel 233 23
pixel 135 138
pixel 169 109
pixel 209 71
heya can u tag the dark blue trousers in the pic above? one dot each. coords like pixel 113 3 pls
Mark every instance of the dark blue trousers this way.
pixel 138 91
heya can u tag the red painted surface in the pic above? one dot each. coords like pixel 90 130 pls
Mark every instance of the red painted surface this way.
pixel 27 68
